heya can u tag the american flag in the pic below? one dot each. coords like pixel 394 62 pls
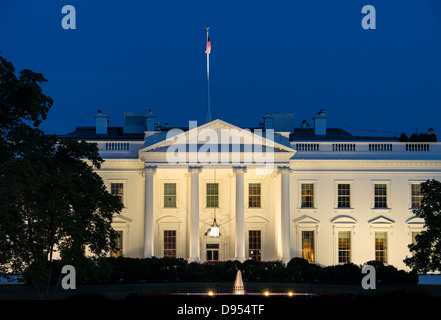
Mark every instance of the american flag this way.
pixel 208 49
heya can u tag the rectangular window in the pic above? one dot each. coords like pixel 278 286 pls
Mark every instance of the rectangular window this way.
pixel 170 243
pixel 118 250
pixel 344 247
pixel 380 200
pixel 170 195
pixel 212 251
pixel 381 246
pixel 308 246
pixel 414 240
pixel 307 195
pixel 212 195
pixel 417 196
pixel 343 195
pixel 254 197
pixel 255 245
pixel 117 189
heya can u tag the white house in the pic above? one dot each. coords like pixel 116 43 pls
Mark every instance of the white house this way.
pixel 276 191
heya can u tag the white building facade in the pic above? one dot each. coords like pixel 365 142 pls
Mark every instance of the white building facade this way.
pixel 276 191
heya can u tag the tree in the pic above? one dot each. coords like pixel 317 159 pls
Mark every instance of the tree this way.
pixel 51 197
pixel 427 249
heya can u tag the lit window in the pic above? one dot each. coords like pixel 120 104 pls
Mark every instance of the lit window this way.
pixel 343 195
pixel 417 196
pixel 212 195
pixel 308 246
pixel 344 247
pixel 117 251
pixel 381 246
pixel 380 195
pixel 170 243
pixel 170 195
pixel 117 189
pixel 255 244
pixel 307 195
pixel 414 239
pixel 254 196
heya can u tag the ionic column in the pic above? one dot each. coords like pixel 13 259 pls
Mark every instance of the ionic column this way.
pixel 194 214
pixel 240 213
pixel 148 211
pixel 285 222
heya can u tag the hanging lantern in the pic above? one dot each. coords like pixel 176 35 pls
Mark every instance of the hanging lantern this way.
pixel 214 230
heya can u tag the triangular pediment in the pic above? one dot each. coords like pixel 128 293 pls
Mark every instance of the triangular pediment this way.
pixel 381 220
pixel 217 137
pixel 306 220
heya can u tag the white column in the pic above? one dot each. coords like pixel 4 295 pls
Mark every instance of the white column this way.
pixel 285 220
pixel 148 211
pixel 240 213
pixel 194 214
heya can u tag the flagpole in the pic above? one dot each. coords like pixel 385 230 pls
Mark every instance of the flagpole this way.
pixel 208 80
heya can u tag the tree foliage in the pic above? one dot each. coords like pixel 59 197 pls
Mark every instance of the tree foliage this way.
pixel 426 252
pixel 51 198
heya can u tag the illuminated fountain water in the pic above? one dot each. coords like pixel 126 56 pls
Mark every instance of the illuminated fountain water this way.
pixel 239 288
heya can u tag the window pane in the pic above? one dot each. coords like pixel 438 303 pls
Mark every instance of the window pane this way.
pixel 255 244
pixel 117 252
pixel 307 195
pixel 381 246
pixel 170 195
pixel 212 195
pixel 170 243
pixel 212 251
pixel 344 195
pixel 254 196
pixel 117 189
pixel 380 196
pixel 417 196
pixel 344 247
pixel 308 245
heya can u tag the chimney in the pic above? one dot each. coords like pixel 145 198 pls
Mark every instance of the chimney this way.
pixel 102 123
pixel 320 123
pixel 268 121
pixel 150 121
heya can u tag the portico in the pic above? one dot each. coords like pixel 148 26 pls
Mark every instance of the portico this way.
pixel 250 199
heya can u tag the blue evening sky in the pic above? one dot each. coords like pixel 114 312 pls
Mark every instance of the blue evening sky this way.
pixel 276 56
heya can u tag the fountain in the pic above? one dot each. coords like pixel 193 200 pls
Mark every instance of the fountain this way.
pixel 239 288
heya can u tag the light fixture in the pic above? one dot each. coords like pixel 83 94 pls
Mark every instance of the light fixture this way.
pixel 214 229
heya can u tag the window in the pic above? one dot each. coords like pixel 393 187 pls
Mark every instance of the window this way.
pixel 170 195
pixel 117 251
pixel 344 247
pixel 255 244
pixel 254 197
pixel 170 243
pixel 307 195
pixel 343 195
pixel 381 246
pixel 308 246
pixel 212 195
pixel 414 240
pixel 417 196
pixel 117 189
pixel 380 200
pixel 212 251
